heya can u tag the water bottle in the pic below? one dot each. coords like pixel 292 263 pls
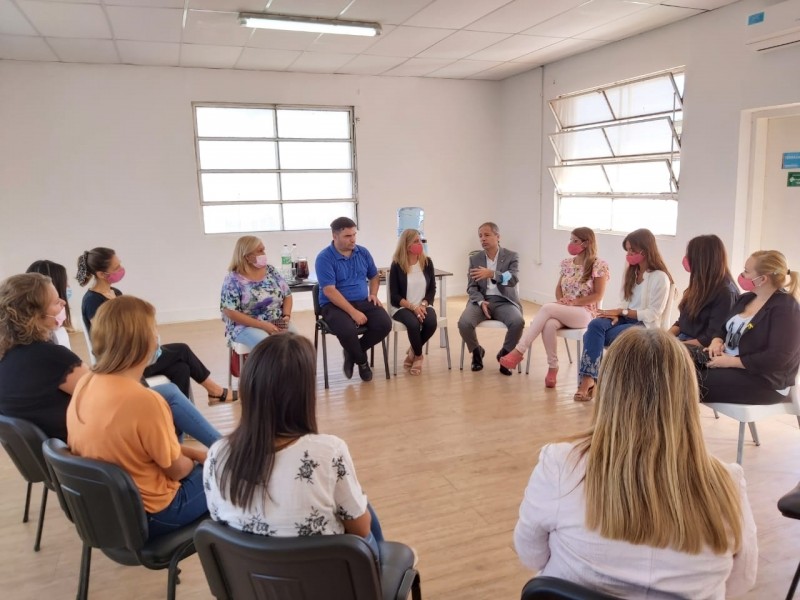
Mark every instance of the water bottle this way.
pixel 294 256
pixel 286 262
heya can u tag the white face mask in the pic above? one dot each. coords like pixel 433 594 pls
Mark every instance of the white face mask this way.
pixel 60 317
pixel 261 261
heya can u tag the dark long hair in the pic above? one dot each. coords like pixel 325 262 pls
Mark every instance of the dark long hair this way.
pixel 278 396
pixel 92 262
pixel 58 274
pixel 709 263
pixel 643 241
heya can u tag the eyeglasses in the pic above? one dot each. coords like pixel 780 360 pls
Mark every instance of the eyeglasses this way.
pixel 732 339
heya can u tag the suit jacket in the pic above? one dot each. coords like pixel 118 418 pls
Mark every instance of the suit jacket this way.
pixel 505 277
pixel 770 344
pixel 398 284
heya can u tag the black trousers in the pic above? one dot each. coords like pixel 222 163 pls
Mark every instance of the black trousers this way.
pixel 418 332
pixel 736 386
pixel 180 365
pixel 345 329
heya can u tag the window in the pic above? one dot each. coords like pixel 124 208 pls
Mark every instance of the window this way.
pixel 274 168
pixel 618 155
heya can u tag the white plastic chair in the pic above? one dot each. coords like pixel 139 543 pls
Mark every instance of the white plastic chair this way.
pixel 240 350
pixel 398 327
pixel 750 413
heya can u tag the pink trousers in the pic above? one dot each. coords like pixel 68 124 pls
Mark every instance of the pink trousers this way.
pixel 550 318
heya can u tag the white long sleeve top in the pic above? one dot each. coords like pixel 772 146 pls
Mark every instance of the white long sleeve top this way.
pixel 649 298
pixel 551 537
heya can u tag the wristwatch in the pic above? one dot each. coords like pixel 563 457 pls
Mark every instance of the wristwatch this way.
pixel 624 312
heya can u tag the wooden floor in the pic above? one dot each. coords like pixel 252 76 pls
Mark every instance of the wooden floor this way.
pixel 444 459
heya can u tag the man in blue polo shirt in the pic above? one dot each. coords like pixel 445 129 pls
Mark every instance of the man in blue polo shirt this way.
pixel 348 288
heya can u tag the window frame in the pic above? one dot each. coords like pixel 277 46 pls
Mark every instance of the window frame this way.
pixel 276 139
pixel 671 157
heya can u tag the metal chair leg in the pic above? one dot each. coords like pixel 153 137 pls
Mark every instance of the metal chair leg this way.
pixel 447 341
pixel 27 503
pixel 325 359
pixel 86 566
pixel 569 353
pixel 38 543
pixel 385 346
pixel 793 587
pixel 740 447
pixel 754 433
pixel 463 344
pixel 395 354
pixel 716 416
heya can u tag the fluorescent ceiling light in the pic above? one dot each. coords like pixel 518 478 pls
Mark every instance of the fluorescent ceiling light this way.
pixel 312 24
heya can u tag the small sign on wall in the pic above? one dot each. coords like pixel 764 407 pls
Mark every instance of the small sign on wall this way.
pixel 793 180
pixel 791 160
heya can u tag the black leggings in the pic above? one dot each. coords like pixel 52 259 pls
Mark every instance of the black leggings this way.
pixel 736 386
pixel 179 364
pixel 418 333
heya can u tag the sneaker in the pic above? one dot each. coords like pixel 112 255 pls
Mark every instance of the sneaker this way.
pixel 477 358
pixel 347 367
pixel 364 372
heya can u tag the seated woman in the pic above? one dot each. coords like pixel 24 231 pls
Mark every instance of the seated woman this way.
pixel 113 417
pixel 38 377
pixel 754 356
pixel 707 301
pixel 275 474
pixel 412 288
pixel 648 513
pixel 646 292
pixel 256 301
pixel 58 275
pixel 579 289
pixel 177 361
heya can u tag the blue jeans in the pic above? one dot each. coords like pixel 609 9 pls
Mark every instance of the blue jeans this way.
pixel 188 504
pixel 599 334
pixel 186 417
pixel 375 532
pixel 250 336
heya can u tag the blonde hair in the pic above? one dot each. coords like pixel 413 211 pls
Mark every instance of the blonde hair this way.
pixel 123 332
pixel 401 253
pixel 244 245
pixel 23 301
pixel 772 264
pixel 649 479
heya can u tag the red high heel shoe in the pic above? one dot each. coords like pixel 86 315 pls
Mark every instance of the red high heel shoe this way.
pixel 550 378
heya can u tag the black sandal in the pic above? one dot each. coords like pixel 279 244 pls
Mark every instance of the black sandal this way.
pixel 212 400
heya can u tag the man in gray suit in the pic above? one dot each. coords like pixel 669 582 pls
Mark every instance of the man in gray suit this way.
pixel 492 290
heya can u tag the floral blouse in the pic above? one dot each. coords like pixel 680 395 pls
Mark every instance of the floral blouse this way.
pixel 262 300
pixel 571 285
pixel 312 489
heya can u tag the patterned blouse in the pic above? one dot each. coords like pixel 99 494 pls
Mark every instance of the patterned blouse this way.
pixel 311 490
pixel 262 300
pixel 571 285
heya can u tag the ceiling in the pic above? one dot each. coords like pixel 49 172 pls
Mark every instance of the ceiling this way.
pixel 454 39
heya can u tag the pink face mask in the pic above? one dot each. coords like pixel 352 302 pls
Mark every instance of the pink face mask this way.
pixel 634 259
pixel 574 248
pixel 261 261
pixel 415 249
pixel 60 317
pixel 116 276
pixel 685 262
pixel 746 284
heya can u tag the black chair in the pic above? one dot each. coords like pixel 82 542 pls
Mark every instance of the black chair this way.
pixel 106 508
pixel 789 505
pixel 245 566
pixel 23 441
pixel 320 326
pixel 553 588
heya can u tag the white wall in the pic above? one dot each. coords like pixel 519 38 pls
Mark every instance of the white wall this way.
pixel 96 155
pixel 781 203
pixel 723 78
